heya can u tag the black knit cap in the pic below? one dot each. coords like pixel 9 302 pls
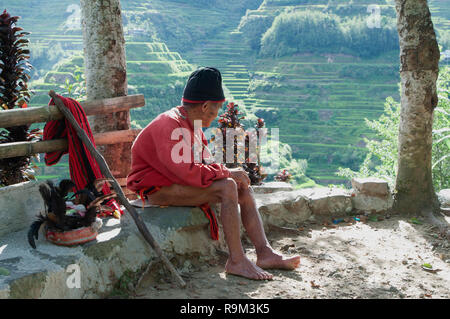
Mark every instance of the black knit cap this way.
pixel 204 84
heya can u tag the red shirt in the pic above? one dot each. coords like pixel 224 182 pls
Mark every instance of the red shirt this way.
pixel 151 155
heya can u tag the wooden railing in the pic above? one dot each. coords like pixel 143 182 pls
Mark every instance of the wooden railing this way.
pixel 16 117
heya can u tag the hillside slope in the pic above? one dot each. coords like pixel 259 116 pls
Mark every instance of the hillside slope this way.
pixel 318 100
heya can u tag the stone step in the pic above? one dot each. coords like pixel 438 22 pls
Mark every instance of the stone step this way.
pixel 48 270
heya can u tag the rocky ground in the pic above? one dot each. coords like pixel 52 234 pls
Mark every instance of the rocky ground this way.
pixel 355 259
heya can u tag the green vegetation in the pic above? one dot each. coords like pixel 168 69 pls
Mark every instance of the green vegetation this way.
pixel 316 95
pixel 381 160
pixel 317 32
pixel 152 70
pixel 297 168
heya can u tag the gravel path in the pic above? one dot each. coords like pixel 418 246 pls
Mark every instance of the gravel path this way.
pixel 373 259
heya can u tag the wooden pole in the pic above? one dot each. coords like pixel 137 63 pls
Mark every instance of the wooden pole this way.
pixel 121 196
pixel 16 117
pixel 9 150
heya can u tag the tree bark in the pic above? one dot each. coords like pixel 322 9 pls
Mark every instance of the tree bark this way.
pixel 419 68
pixel 106 76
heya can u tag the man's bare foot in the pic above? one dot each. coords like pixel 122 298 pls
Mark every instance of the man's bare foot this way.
pixel 273 260
pixel 247 269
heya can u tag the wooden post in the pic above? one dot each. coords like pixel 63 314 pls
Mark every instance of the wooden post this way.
pixel 121 196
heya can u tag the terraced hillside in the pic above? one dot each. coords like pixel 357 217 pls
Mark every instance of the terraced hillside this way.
pixel 440 13
pixel 204 35
pixel 152 70
pixel 317 104
pixel 318 101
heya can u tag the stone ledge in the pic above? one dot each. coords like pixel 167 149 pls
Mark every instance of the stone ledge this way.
pixel 444 197
pixel 371 186
pixel 371 195
pixel 328 202
pixel 283 208
pixel 272 187
pixel 19 205
pixel 292 208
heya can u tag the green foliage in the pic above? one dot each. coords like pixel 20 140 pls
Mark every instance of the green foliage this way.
pixel 301 31
pixel 381 160
pixel 284 159
pixel 441 133
pixel 444 38
pixel 233 5
pixel 43 58
pixel 314 31
pixel 365 41
pixel 253 27
pixel 367 72
pixel 124 286
pixel 76 89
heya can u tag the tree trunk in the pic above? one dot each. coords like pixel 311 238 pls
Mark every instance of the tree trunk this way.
pixel 106 76
pixel 419 68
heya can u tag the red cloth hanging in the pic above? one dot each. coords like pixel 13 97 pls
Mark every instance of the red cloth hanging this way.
pixel 84 169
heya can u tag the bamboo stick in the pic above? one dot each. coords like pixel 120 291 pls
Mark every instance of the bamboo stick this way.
pixel 123 200
pixel 9 150
pixel 16 117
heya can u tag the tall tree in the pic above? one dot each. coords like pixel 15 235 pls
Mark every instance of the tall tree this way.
pixel 419 68
pixel 106 74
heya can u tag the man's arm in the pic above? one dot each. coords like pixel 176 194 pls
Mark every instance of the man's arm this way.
pixel 190 173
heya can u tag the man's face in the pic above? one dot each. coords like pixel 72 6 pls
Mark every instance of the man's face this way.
pixel 210 112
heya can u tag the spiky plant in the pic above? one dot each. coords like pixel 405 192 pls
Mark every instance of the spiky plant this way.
pixel 14 92
pixel 231 120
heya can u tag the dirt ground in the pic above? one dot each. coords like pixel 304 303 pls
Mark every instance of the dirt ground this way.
pixel 370 259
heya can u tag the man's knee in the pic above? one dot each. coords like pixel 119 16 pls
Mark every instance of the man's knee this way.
pixel 245 194
pixel 227 189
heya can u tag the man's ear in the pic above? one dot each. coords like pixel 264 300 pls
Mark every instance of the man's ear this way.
pixel 204 106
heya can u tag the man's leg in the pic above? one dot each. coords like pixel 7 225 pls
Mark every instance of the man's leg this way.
pixel 267 258
pixel 224 191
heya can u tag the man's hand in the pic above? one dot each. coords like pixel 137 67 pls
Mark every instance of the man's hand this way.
pixel 240 176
